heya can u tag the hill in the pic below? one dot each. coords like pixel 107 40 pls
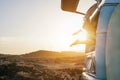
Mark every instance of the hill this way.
pixel 42 65
pixel 45 53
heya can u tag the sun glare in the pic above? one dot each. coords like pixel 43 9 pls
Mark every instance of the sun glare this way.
pixel 82 36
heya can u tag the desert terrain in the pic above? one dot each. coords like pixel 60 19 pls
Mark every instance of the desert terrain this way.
pixel 42 65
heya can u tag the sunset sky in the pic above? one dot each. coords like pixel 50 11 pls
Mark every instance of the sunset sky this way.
pixel 30 25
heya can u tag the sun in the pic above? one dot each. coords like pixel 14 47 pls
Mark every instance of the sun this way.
pixel 65 41
pixel 82 36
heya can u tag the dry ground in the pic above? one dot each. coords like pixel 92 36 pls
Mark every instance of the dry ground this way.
pixel 41 68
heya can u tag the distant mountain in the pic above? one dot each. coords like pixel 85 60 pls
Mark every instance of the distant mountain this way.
pixel 45 53
pixel 4 54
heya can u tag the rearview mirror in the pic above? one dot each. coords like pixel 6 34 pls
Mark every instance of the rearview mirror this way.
pixel 70 5
pixel 77 6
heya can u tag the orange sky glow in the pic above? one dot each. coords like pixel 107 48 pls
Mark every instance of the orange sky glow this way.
pixel 30 25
